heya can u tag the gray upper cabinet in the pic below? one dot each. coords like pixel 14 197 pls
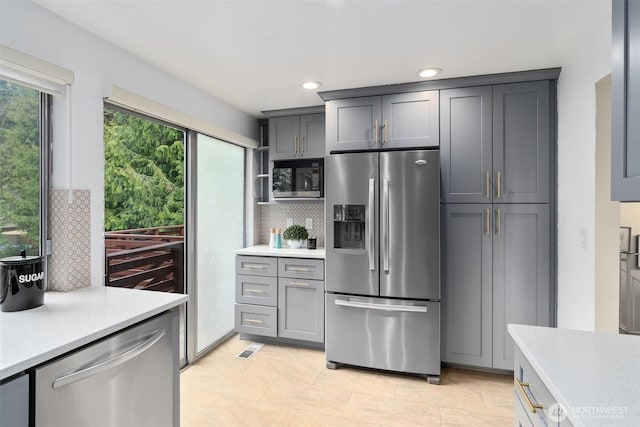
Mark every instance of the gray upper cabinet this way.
pixel 383 122
pixel 625 101
pixel 466 145
pixel 294 137
pixel 495 143
pixel 467 284
pixel 521 142
pixel 521 273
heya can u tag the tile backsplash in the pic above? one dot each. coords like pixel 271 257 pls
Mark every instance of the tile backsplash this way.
pixel 275 216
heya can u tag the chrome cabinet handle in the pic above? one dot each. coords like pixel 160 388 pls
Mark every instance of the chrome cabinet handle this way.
pixel 302 146
pixel 375 126
pixel 385 133
pixel 371 238
pixel 487 222
pixel 383 307
pixel 109 363
pixel 253 321
pixel 254 266
pixel 533 407
pixel 302 284
pixel 255 291
pixel 498 186
pixel 499 222
pixel 295 145
pixel 300 269
pixel 487 185
pixel 385 225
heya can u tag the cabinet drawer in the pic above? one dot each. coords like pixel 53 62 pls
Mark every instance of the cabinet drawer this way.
pixel 299 268
pixel 256 265
pixel 533 391
pixel 259 290
pixel 257 320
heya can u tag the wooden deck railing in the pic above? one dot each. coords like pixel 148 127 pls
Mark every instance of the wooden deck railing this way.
pixel 146 258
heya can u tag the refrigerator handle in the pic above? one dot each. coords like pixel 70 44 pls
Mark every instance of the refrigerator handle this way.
pixel 383 307
pixel 385 225
pixel 371 220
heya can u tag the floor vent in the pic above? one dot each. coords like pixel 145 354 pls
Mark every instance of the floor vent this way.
pixel 250 350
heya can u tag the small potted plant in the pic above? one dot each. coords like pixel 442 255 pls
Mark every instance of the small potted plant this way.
pixel 295 236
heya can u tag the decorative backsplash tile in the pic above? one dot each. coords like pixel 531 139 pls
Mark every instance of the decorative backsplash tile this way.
pixel 275 216
pixel 70 218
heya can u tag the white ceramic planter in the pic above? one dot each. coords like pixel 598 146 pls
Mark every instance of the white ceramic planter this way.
pixel 295 244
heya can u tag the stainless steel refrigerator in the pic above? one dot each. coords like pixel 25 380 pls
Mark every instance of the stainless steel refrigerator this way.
pixel 383 261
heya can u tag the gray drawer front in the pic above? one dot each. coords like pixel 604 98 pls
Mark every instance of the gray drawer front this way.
pixel 257 265
pixel 536 391
pixel 259 290
pixel 299 268
pixel 257 320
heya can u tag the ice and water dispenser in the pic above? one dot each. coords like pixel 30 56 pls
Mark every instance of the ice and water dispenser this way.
pixel 349 227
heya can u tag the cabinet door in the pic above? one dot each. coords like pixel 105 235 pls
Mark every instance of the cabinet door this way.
pixel 14 402
pixel 466 284
pixel 521 276
pixel 353 124
pixel 284 140
pixel 465 146
pixel 625 101
pixel 410 120
pixel 521 142
pixel 301 309
pixel 312 136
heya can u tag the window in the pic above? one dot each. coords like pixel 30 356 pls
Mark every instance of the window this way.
pixel 24 134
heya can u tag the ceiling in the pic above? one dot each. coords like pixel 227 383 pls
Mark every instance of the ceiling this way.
pixel 255 54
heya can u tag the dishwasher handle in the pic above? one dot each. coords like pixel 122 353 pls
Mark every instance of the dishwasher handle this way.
pixel 134 352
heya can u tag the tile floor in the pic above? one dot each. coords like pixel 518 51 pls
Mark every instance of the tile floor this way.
pixel 286 386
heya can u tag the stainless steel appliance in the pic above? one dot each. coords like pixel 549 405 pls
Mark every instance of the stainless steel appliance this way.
pixel 293 179
pixel 383 261
pixel 129 379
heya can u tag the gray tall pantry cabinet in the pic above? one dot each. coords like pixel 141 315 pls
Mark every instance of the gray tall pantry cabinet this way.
pixel 625 101
pixel 497 175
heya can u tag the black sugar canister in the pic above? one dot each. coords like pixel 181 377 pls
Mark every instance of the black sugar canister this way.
pixel 21 282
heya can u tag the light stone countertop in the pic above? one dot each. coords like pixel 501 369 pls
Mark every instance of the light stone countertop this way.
pixel 595 376
pixel 265 250
pixel 69 320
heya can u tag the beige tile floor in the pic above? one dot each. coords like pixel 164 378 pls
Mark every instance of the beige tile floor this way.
pixel 286 386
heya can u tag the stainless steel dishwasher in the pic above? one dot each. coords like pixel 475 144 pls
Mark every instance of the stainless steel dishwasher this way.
pixel 128 379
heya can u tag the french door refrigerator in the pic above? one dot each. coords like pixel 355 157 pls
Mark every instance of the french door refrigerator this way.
pixel 383 261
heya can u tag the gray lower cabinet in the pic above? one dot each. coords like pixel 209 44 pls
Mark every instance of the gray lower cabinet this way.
pixel 14 402
pixel 295 137
pixel 496 270
pixel 625 101
pixel 383 122
pixel 495 143
pixel 286 302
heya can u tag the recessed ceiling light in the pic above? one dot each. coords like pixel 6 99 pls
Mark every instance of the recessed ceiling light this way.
pixel 426 73
pixel 311 85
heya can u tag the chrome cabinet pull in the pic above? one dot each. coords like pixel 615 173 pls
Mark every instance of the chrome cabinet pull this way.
pixel 302 284
pixel 487 185
pixel 383 307
pixel 302 146
pixel 295 145
pixel 533 407
pixel 375 126
pixel 385 225
pixel 254 266
pixel 109 363
pixel 499 222
pixel 255 291
pixel 371 238
pixel 254 321
pixel 385 133
pixel 487 222
pixel 300 269
pixel 498 186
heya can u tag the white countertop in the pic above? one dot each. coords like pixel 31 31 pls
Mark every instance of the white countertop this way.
pixel 265 250
pixel 591 374
pixel 68 320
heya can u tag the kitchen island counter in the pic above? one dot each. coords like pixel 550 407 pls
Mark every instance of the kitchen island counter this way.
pixel 69 320
pixel 594 376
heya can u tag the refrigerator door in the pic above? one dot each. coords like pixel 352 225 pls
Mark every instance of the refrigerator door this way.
pixel 410 224
pixel 352 223
pixel 397 335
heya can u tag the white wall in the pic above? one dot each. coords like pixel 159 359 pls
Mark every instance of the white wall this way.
pixel 34 30
pixel 589 63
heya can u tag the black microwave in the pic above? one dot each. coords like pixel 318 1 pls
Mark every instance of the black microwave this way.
pixel 298 179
